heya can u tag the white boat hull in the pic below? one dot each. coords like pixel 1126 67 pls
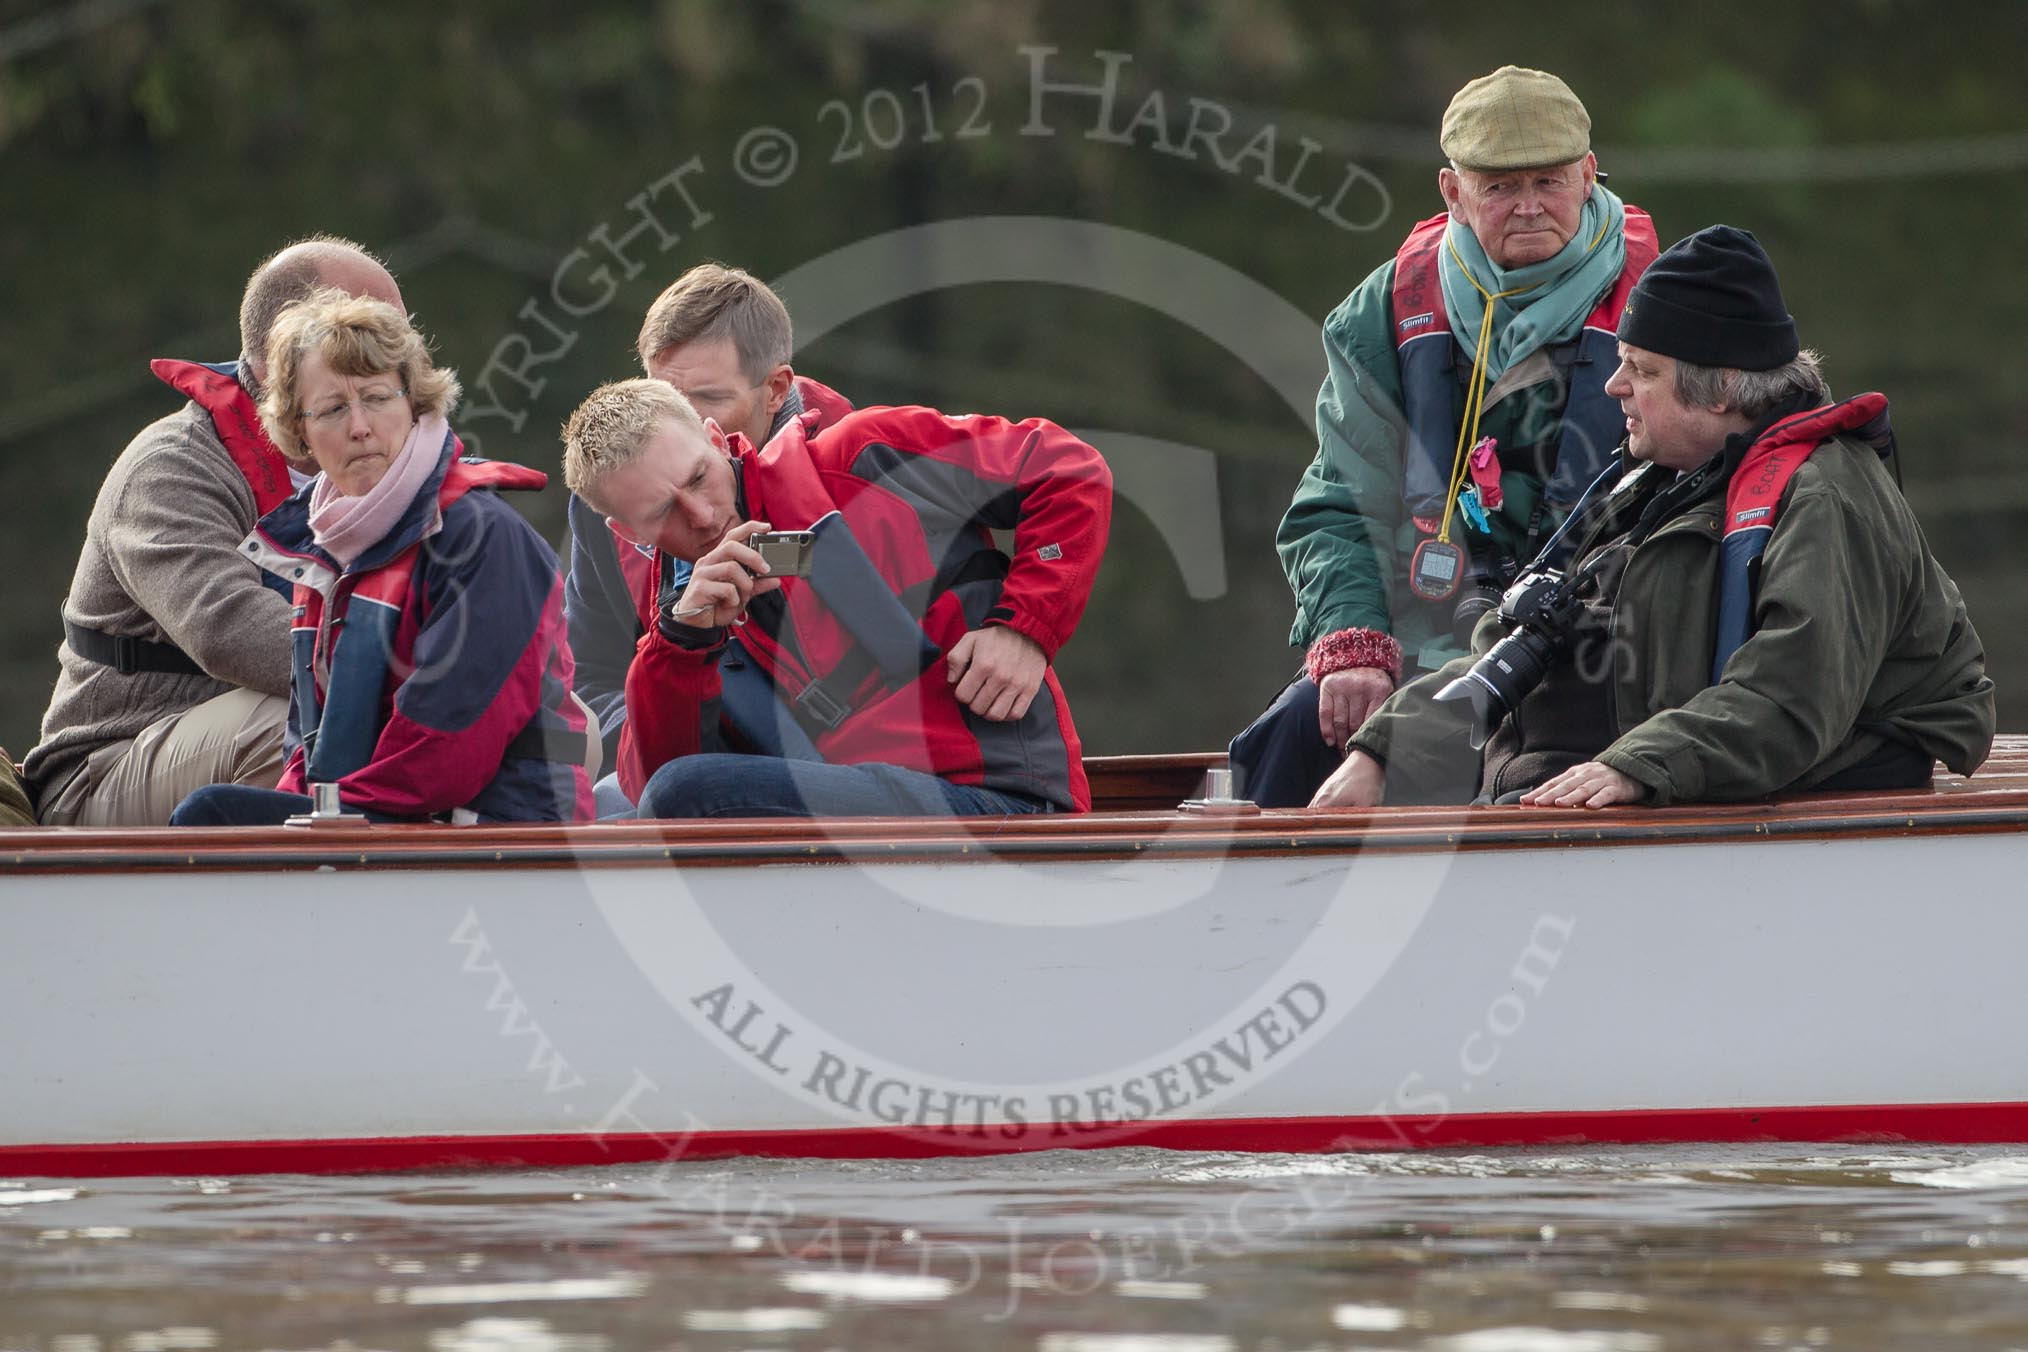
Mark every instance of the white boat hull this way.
pixel 613 995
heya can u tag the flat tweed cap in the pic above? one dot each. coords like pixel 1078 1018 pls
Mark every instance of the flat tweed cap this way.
pixel 1515 118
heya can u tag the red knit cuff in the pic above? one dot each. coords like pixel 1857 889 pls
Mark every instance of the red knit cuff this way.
pixel 1350 648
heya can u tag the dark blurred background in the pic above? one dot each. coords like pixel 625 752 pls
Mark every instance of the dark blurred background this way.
pixel 151 153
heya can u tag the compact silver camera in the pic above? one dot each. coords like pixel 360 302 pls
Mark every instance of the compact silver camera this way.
pixel 787 552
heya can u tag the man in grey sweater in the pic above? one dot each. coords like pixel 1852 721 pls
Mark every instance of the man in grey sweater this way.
pixel 175 660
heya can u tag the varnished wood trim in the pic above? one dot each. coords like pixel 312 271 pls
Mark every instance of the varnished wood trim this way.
pixel 1989 804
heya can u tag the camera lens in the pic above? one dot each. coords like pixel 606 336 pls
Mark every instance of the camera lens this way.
pixel 1502 679
pixel 1471 608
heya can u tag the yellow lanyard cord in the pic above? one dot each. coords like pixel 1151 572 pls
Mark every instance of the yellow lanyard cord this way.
pixel 1475 388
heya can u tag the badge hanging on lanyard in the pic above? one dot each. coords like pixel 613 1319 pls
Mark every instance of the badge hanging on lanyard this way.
pixel 1436 569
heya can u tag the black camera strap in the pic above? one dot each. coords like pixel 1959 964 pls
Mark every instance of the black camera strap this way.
pixel 1547 557
pixel 1529 545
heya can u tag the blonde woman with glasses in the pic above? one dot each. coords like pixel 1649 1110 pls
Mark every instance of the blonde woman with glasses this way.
pixel 431 671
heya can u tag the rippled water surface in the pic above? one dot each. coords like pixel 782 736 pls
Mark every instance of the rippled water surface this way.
pixel 1113 1251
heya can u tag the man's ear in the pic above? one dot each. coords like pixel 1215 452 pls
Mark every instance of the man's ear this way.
pixel 1447 186
pixel 779 382
pixel 620 530
pixel 716 433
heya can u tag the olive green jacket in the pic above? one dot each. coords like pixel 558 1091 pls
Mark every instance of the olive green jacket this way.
pixel 1346 540
pixel 1860 639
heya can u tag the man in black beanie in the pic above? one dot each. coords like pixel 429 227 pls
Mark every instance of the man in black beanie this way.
pixel 1755 609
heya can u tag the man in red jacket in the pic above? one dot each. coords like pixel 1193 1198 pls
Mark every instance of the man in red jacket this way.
pixel 908 671
pixel 724 340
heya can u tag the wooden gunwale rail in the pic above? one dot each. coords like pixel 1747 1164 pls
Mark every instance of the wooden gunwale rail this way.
pixel 1131 790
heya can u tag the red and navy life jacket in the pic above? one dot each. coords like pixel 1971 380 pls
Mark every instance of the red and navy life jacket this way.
pixel 433 673
pixel 1753 496
pixel 1428 357
pixel 345 666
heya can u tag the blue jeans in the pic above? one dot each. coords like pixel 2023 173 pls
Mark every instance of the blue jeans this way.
pixel 719 785
pixel 610 802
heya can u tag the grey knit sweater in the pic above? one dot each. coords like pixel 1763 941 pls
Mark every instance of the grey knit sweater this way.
pixel 161 561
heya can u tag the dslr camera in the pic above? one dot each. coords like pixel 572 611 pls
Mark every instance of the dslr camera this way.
pixel 1484 587
pixel 1540 610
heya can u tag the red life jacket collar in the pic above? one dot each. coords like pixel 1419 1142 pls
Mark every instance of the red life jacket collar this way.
pixel 1819 424
pixel 1764 473
pixel 1418 294
pixel 466 475
pixel 216 390
pixel 1754 494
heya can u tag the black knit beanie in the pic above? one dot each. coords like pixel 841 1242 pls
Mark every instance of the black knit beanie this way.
pixel 1712 299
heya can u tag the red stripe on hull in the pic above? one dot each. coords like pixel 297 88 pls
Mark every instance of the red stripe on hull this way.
pixel 1900 1123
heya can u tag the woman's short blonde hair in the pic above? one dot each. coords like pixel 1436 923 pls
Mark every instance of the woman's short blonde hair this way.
pixel 356 336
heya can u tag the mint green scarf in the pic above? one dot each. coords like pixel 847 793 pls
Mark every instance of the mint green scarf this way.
pixel 1566 287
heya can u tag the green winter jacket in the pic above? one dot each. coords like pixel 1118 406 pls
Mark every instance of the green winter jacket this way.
pixel 1860 640
pixel 1346 540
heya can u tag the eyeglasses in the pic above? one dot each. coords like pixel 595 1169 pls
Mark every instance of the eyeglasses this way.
pixel 374 401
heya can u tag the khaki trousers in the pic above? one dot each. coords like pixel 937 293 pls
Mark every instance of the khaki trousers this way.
pixel 235 738
pixel 15 809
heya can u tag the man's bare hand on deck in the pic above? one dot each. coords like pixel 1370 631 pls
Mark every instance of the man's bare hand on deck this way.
pixel 1588 785
pixel 1356 783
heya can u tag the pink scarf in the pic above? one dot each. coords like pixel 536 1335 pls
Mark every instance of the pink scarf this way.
pixel 346 527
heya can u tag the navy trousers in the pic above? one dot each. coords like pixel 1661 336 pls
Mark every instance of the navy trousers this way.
pixel 240 805
pixel 1281 760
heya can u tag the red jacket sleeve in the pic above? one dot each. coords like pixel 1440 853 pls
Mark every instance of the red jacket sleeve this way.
pixel 1032 477
pixel 672 708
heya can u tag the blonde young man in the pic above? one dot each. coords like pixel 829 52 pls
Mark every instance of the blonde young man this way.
pixel 723 339
pixel 906 670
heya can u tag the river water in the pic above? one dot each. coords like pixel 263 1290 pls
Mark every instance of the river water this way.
pixel 1101 1251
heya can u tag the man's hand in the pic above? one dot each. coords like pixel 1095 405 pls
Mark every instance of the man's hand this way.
pixel 1356 783
pixel 724 580
pixel 1588 785
pixel 1347 698
pixel 997 672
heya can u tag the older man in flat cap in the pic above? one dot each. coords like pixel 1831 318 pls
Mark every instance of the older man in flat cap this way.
pixel 1463 413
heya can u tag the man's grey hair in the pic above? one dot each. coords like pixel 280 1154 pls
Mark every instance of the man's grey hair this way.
pixel 1751 393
